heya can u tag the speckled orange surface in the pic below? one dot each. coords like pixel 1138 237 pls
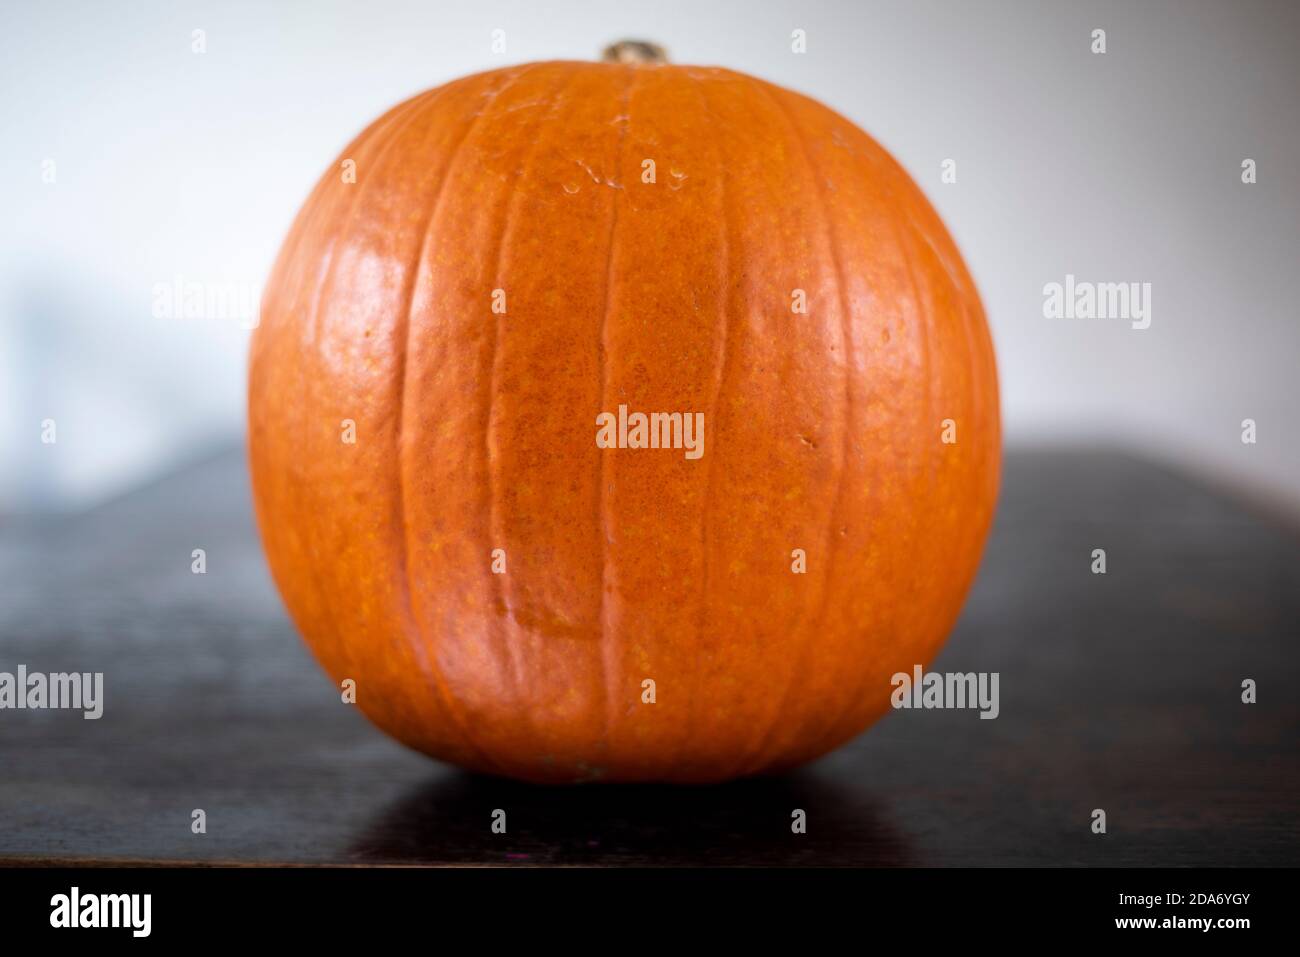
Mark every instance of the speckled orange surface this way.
pixel 475 430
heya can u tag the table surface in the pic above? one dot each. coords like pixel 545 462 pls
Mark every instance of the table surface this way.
pixel 1119 691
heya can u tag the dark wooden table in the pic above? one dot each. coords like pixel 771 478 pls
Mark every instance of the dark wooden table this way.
pixel 1119 692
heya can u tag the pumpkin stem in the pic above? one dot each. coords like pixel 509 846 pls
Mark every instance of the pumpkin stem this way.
pixel 635 51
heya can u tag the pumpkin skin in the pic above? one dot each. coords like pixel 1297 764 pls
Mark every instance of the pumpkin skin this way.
pixel 475 430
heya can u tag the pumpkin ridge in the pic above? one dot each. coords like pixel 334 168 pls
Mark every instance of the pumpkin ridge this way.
pixel 978 359
pixel 500 583
pixel 920 321
pixel 908 241
pixel 426 656
pixel 974 363
pixel 607 635
pixel 722 363
pixel 970 362
pixel 800 667
pixel 398 118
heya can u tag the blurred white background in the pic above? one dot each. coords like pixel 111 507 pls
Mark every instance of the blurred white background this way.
pixel 1118 167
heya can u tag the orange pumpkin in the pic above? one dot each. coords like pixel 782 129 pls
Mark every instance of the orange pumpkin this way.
pixel 523 250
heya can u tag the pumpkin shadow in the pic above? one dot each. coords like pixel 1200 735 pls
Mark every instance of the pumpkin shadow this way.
pixel 449 820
